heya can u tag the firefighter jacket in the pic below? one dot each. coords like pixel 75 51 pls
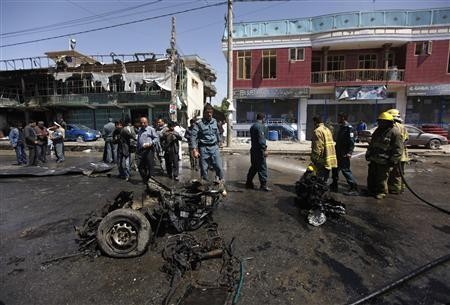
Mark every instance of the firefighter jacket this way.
pixel 405 137
pixel 322 148
pixel 345 140
pixel 386 146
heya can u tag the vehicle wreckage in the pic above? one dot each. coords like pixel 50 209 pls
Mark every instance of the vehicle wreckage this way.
pixel 125 227
pixel 313 196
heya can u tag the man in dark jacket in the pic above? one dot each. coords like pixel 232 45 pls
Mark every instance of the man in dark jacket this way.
pixel 258 154
pixel 16 138
pixel 124 150
pixel 188 135
pixel 170 143
pixel 42 142
pixel 345 143
pixel 31 142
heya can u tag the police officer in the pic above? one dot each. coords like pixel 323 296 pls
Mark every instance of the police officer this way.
pixel 205 141
pixel 345 143
pixel 258 154
pixel 395 182
pixel 384 153
pixel 323 153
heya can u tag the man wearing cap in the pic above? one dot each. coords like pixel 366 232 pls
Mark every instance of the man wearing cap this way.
pixel 395 182
pixel 205 140
pixel 384 153
pixel 108 151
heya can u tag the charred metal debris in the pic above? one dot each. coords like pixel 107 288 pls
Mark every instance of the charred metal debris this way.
pixel 313 196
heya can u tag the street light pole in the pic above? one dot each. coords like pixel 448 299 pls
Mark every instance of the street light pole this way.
pixel 173 75
pixel 230 71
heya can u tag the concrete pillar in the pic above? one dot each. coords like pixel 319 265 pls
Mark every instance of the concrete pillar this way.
pixel 302 118
pixel 325 63
pixel 387 49
pixel 401 101
pixel 150 115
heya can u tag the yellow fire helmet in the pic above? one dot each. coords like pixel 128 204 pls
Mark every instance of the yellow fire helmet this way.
pixel 386 116
pixel 312 168
pixel 394 112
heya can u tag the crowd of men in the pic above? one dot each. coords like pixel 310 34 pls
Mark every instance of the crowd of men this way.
pixel 39 140
pixel 140 145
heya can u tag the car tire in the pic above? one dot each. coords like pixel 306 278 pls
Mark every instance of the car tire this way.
pixel 80 139
pixel 124 233
pixel 434 144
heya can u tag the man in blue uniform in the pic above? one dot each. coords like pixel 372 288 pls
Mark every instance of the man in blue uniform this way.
pixel 258 154
pixel 205 140
pixel 146 142
pixel 345 143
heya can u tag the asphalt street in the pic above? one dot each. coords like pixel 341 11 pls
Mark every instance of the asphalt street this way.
pixel 292 262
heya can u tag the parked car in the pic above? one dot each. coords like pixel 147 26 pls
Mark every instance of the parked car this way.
pixel 416 137
pixel 285 132
pixel 81 133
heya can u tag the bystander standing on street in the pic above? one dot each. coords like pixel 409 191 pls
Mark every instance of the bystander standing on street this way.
pixel 160 128
pixel 42 142
pixel 147 140
pixel 124 150
pixel 58 142
pixel 108 151
pixel 17 141
pixel 170 143
pixel 31 142
pixel 188 136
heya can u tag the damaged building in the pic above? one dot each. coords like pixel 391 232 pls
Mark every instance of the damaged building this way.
pixel 88 89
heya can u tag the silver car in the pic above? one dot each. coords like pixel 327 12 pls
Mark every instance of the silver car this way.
pixel 416 137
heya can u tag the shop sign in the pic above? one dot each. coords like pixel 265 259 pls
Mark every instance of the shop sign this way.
pixel 361 93
pixel 264 93
pixel 428 90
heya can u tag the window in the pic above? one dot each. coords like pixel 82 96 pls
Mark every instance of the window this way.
pixel 336 62
pixel 296 54
pixel 316 64
pixel 423 48
pixel 244 64
pixel 367 61
pixel 391 59
pixel 269 64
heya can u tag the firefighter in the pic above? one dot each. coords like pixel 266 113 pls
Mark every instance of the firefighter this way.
pixel 323 153
pixel 384 152
pixel 395 183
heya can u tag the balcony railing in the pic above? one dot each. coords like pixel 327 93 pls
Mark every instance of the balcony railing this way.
pixel 358 75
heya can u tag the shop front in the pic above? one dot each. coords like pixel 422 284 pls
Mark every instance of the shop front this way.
pixel 428 105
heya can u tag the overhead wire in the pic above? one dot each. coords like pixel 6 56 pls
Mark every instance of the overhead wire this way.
pixel 78 20
pixel 69 25
pixel 115 25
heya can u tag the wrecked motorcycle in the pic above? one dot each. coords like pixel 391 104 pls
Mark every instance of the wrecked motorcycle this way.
pixel 313 195
pixel 124 227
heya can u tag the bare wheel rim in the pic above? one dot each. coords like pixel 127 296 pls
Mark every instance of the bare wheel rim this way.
pixel 435 144
pixel 123 236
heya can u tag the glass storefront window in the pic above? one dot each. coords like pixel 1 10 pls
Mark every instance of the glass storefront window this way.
pixel 428 110
pixel 274 109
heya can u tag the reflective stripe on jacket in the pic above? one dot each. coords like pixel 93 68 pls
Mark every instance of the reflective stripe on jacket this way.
pixel 405 137
pixel 322 148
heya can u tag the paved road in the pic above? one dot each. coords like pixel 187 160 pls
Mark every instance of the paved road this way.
pixel 293 263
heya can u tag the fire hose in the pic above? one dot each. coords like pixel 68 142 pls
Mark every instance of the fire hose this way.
pixel 417 195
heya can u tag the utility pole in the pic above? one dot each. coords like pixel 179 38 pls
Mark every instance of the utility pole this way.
pixel 173 75
pixel 230 71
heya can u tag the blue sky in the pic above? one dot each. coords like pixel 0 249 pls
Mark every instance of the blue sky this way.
pixel 198 32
